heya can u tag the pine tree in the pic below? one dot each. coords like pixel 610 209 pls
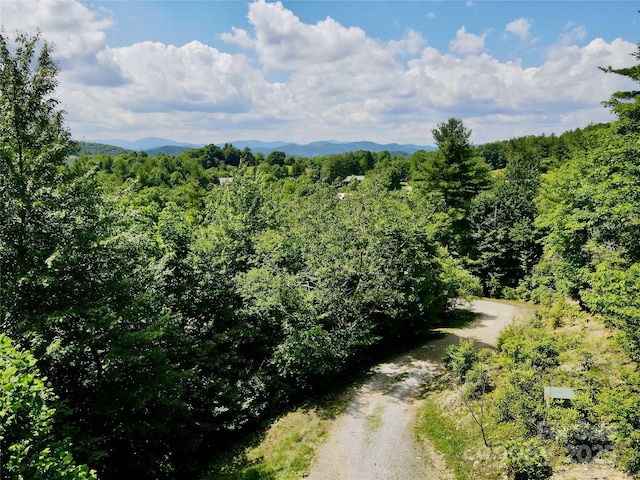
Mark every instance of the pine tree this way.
pixel 626 104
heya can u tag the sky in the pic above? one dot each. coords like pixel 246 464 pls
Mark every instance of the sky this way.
pixel 302 71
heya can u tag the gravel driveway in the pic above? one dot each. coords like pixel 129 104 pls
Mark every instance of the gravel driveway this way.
pixel 374 438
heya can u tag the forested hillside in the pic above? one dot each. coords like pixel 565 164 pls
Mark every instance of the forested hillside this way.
pixel 88 148
pixel 159 308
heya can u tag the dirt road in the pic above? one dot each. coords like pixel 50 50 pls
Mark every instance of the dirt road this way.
pixel 374 438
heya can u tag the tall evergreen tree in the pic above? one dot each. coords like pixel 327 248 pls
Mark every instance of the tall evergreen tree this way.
pixel 626 104
pixel 455 171
pixel 457 175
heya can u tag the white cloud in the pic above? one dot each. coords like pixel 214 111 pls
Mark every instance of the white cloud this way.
pixel 338 83
pixel 238 36
pixel 284 42
pixel 77 32
pixel 194 77
pixel 519 28
pixel 193 83
pixel 466 43
pixel 568 79
pixel 574 34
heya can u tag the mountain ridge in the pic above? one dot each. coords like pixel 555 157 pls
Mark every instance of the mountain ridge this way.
pixel 155 145
pixel 143 144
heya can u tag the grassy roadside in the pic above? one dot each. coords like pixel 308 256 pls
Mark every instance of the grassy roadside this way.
pixel 286 449
pixel 576 350
pixel 452 433
pixel 445 423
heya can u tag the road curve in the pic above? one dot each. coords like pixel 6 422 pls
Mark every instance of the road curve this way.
pixel 374 438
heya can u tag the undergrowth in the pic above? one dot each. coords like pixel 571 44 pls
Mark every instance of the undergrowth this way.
pixel 559 346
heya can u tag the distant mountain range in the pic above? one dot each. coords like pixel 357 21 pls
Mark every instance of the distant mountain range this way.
pixel 145 144
pixel 155 145
pixel 316 149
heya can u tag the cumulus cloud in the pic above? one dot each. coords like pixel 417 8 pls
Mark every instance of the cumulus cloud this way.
pixel 284 42
pixel 77 34
pixel 165 79
pixel 75 30
pixel 466 43
pixel 519 28
pixel 568 79
pixel 334 81
pixel 238 36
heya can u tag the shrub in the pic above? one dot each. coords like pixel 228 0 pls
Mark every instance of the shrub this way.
pixel 27 409
pixel 537 349
pixel 515 399
pixel 526 461
pixel 460 359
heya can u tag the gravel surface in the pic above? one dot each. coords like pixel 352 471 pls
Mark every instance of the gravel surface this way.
pixel 374 438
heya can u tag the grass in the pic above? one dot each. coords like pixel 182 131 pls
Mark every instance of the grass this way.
pixel 286 450
pixel 452 433
pixel 374 421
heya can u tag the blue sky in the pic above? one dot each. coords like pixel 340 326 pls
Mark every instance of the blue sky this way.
pixel 386 71
pixel 179 22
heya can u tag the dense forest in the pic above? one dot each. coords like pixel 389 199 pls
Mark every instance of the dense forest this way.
pixel 154 310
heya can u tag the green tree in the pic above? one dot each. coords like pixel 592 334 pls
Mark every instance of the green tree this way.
pixel 33 146
pixel 232 155
pixel 367 160
pixel 247 158
pixel 210 156
pixel 506 244
pixel 493 154
pixel 31 445
pixel 626 104
pixel 457 175
pixel 79 283
pixel 276 157
pixel 338 166
pixel 455 171
pixel 299 166
pixel 391 173
pixel 589 215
